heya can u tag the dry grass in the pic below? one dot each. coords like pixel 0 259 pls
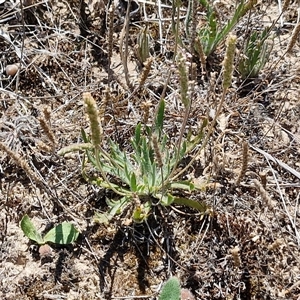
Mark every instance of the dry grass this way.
pixel 247 247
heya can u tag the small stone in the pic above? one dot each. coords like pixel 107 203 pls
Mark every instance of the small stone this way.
pixel 45 251
pixel 11 70
pixel 187 295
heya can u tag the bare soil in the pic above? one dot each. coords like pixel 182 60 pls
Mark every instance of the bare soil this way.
pixel 247 247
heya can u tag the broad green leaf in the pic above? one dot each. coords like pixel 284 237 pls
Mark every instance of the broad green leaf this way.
pixel 204 3
pixel 163 143
pixel 64 233
pixel 30 231
pixel 171 290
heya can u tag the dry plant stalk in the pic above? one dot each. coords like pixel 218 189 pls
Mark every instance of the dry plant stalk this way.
pixel 44 147
pixel 227 78
pixel 103 105
pixel 19 161
pixel 244 163
pixel 264 195
pixel 110 30
pixel 229 61
pixel 124 52
pixel 201 54
pixel 293 38
pixel 146 71
pixel 92 112
pixel 156 151
pixel 47 113
pixel 286 4
pixel 235 252
pixel 184 79
pixel 263 178
pixel 249 5
pixel 48 131
pixel 146 110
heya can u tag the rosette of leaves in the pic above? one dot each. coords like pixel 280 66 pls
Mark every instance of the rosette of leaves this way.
pixel 213 33
pixel 141 178
pixel 256 53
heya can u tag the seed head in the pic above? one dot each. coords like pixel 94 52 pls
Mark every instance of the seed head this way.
pixel 92 112
pixel 228 61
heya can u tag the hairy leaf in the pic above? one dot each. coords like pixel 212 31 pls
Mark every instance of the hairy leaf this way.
pixel 30 230
pixel 64 233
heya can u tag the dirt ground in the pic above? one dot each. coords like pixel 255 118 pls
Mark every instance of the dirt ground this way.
pixel 247 247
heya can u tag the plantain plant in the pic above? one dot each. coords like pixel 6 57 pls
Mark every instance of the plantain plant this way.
pixel 256 53
pixel 213 33
pixel 142 177
pixel 63 234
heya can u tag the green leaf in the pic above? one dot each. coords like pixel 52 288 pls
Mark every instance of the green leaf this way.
pixel 102 218
pixel 183 185
pixel 171 290
pixel 133 186
pixel 212 35
pixel 117 206
pixel 141 213
pixel 256 53
pixel 30 231
pixel 64 233
pixel 166 200
pixel 147 155
pixel 137 134
pixel 84 136
pixel 200 206
pixel 160 118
